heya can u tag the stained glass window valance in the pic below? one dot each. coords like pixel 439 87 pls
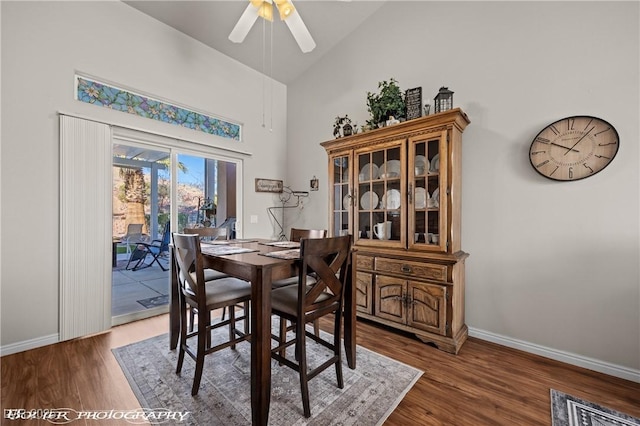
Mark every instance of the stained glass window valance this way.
pixel 106 95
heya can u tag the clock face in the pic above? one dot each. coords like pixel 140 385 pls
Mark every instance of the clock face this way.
pixel 574 148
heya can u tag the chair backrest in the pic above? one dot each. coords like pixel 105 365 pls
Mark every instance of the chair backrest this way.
pixel 166 237
pixel 212 233
pixel 329 258
pixel 134 229
pixel 298 234
pixel 188 259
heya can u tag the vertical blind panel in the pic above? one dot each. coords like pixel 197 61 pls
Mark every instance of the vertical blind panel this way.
pixel 85 227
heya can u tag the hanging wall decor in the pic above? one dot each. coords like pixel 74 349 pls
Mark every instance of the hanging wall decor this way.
pixel 269 185
pixel 106 95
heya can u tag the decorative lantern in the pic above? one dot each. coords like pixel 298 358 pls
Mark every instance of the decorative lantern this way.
pixel 347 130
pixel 443 100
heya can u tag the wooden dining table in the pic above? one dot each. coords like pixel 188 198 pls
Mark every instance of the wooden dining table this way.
pixel 261 270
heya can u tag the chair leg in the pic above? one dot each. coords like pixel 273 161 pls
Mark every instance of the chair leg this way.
pixel 247 317
pixel 183 335
pixel 206 326
pixel 283 337
pixel 137 256
pixel 224 313
pixel 301 352
pixel 202 341
pixel 156 260
pixel 232 325
pixel 337 348
pixel 316 327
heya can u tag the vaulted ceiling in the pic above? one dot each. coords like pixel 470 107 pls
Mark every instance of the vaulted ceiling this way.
pixel 211 22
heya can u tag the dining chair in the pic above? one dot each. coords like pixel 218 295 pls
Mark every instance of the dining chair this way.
pixel 195 293
pixel 329 258
pixel 155 249
pixel 296 235
pixel 213 234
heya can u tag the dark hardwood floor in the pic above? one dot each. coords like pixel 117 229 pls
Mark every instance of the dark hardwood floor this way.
pixel 485 384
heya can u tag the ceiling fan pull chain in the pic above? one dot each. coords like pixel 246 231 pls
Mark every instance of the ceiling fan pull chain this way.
pixel 271 77
pixel 264 41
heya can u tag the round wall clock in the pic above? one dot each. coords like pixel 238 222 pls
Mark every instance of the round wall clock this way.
pixel 574 148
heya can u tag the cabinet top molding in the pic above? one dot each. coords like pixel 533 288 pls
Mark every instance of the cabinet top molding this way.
pixel 454 117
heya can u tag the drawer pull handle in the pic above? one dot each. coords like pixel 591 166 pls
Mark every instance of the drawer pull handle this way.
pixel 406 269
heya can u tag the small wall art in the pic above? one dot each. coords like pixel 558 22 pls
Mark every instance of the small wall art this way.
pixel 269 185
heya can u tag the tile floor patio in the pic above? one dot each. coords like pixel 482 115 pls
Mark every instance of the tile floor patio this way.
pixel 128 287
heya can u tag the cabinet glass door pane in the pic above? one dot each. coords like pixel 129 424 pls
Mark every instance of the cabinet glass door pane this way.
pixel 379 203
pixel 341 195
pixel 426 192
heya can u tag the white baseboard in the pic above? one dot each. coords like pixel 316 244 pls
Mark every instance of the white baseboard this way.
pixel 29 344
pixel 567 357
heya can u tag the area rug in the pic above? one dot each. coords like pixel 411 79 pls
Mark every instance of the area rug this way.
pixel 567 410
pixel 371 391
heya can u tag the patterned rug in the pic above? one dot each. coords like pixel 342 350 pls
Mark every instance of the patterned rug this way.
pixel 371 391
pixel 567 410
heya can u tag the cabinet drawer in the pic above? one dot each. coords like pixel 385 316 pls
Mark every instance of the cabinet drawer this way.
pixel 414 269
pixel 364 262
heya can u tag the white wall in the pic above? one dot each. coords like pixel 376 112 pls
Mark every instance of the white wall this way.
pixel 553 265
pixel 43 44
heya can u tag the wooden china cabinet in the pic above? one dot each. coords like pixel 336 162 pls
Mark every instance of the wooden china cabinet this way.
pixel 398 191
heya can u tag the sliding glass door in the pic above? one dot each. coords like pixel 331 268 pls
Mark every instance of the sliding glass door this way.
pixel 144 199
pixel 141 213
pixel 206 193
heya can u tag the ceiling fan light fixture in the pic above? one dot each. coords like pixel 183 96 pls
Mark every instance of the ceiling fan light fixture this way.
pixel 285 8
pixel 266 11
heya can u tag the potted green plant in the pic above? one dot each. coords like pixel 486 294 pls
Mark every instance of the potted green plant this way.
pixel 388 102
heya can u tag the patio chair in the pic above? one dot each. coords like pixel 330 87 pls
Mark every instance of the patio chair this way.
pixel 155 249
pixel 133 236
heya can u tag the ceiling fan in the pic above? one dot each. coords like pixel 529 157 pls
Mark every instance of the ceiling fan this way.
pixel 264 9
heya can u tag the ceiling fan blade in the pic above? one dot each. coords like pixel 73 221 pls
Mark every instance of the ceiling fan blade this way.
pixel 300 32
pixel 244 24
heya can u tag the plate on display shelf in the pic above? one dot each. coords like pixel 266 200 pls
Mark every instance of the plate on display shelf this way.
pixel 369 200
pixel 390 169
pixel 369 172
pixel 345 202
pixel 435 163
pixel 421 198
pixel 391 199
pixel 421 165
pixel 435 198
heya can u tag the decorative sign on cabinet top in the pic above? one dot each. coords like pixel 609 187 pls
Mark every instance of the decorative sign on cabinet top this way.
pixel 413 101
